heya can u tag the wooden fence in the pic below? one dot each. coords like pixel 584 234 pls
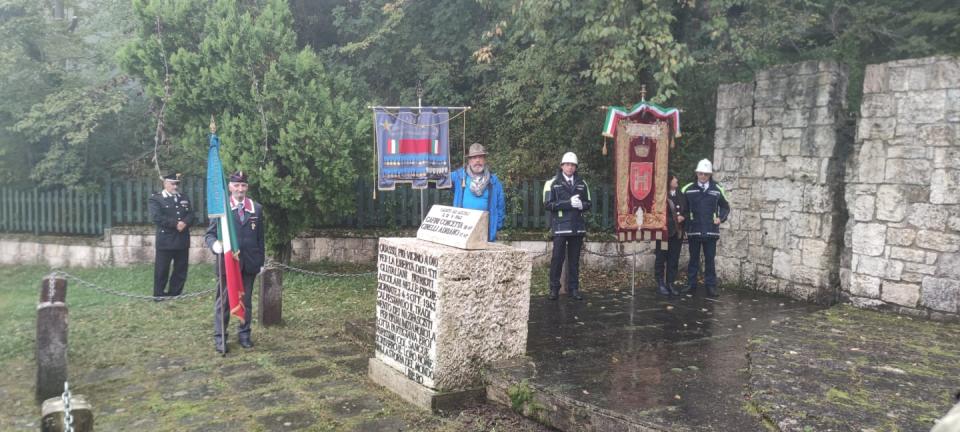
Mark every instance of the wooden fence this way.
pixel 124 202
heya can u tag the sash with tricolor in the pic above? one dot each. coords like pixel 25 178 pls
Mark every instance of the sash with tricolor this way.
pixel 638 112
pixel 218 209
pixel 413 148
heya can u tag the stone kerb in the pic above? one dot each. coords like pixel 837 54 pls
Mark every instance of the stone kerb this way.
pixel 777 153
pixel 902 183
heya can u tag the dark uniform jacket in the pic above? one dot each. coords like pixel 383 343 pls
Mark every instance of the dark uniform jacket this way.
pixel 249 237
pixel 566 220
pixel 700 206
pixel 166 212
pixel 674 209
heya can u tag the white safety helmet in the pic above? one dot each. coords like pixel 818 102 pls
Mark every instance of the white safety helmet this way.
pixel 569 157
pixel 705 167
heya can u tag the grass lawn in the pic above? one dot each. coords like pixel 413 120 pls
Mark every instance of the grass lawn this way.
pixel 151 366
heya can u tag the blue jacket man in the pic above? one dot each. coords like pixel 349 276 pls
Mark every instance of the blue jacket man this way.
pixel 475 187
pixel 704 208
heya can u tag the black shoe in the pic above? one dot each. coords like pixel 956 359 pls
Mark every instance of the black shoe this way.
pixel 246 343
pixel 662 289
pixel 222 350
pixel 712 292
pixel 576 295
pixel 553 295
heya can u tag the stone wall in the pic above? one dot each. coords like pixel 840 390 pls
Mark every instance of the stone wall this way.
pixel 903 189
pixel 128 245
pixel 780 145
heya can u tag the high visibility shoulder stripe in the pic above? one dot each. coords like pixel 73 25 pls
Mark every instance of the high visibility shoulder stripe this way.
pixel 546 187
pixel 722 192
pixel 684 189
pixel 585 185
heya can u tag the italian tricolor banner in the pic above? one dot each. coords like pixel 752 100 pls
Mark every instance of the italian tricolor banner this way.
pixel 616 113
pixel 218 209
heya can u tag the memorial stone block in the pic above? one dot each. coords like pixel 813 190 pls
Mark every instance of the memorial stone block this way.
pixel 443 313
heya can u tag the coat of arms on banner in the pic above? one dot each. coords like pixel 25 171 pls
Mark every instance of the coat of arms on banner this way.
pixel 641 154
pixel 413 148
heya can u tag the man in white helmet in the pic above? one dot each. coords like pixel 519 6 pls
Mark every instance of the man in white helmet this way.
pixel 566 197
pixel 704 208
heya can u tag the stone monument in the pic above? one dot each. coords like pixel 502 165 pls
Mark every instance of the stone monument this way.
pixel 447 307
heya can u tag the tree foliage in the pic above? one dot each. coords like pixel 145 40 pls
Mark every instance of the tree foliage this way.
pixel 294 126
pixel 60 89
pixel 288 80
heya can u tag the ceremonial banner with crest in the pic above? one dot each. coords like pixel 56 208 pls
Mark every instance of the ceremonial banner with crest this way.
pixel 640 157
pixel 413 148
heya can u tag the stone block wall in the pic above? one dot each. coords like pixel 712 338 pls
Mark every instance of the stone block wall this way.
pixel 903 190
pixel 779 149
pixel 129 245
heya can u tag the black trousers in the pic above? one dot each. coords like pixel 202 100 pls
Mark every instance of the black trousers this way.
pixel 709 246
pixel 161 271
pixel 221 309
pixel 668 260
pixel 566 247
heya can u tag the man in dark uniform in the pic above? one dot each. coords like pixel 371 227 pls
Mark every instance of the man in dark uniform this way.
pixel 704 208
pixel 248 220
pixel 566 196
pixel 172 213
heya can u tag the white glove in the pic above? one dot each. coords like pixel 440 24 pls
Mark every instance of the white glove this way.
pixel 575 202
pixel 217 247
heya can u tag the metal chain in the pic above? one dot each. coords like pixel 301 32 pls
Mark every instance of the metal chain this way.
pixel 616 255
pixel 104 290
pixel 540 254
pixel 67 417
pixel 317 273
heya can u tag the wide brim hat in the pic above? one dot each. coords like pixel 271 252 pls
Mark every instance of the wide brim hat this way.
pixel 476 149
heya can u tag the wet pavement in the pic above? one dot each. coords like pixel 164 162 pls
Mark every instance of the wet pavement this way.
pixel 642 362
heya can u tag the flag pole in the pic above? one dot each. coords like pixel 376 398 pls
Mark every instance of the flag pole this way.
pixel 221 270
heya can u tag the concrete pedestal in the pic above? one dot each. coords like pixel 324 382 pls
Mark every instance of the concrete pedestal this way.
pixel 444 313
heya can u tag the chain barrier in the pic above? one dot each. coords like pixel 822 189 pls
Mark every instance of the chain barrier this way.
pixel 317 273
pixel 535 256
pixel 616 255
pixel 67 417
pixel 117 293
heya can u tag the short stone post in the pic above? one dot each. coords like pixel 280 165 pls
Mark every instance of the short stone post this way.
pixel 271 297
pixel 51 338
pixel 54 411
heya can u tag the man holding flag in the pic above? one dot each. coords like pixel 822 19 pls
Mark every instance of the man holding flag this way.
pixel 237 239
pixel 235 235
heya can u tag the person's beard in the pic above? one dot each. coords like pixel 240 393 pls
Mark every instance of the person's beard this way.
pixel 477 170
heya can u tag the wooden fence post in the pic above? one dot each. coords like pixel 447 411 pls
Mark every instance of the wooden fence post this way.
pixel 51 338
pixel 271 296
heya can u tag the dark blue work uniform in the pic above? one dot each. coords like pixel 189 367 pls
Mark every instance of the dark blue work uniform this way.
pixel 699 207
